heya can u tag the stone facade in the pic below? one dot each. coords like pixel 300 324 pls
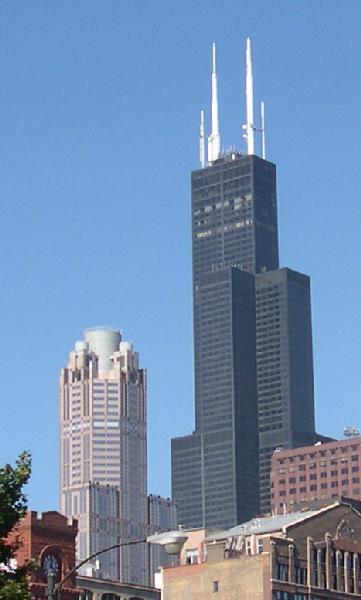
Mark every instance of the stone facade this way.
pixel 311 555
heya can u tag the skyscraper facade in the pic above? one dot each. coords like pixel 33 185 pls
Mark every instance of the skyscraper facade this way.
pixel 103 450
pixel 284 367
pixel 236 279
pixel 162 516
pixel 213 469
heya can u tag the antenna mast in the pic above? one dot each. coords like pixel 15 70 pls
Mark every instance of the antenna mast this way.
pixel 214 140
pixel 249 99
pixel 202 142
pixel 263 131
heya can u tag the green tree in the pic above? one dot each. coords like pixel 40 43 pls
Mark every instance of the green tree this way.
pixel 13 506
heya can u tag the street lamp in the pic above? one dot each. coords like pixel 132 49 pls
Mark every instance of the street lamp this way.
pixel 172 541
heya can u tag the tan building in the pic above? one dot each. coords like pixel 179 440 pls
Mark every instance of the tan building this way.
pixel 103 452
pixel 315 473
pixel 310 555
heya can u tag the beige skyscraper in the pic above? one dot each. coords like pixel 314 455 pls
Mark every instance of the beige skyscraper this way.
pixel 103 452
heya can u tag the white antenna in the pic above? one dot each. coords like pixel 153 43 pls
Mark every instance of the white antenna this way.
pixel 263 131
pixel 249 99
pixel 214 140
pixel 202 142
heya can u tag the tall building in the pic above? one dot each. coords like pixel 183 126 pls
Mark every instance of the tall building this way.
pixel 103 439
pixel 162 516
pixel 236 279
pixel 284 367
pixel 316 472
pixel 213 470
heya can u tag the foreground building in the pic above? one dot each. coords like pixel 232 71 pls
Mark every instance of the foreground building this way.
pixel 316 472
pixel 312 555
pixel 48 539
pixel 252 337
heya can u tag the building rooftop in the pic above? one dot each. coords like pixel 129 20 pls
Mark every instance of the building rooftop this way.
pixel 264 524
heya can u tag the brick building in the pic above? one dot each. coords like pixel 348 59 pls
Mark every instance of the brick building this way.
pixel 49 539
pixel 309 555
pixel 314 473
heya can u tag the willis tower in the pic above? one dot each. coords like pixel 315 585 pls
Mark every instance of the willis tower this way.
pixel 252 335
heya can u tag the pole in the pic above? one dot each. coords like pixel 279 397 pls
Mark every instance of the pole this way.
pixel 51 590
pixel 54 589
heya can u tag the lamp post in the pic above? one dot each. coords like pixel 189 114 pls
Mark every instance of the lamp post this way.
pixel 172 541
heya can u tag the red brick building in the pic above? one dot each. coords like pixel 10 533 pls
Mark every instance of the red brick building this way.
pixel 49 539
pixel 314 473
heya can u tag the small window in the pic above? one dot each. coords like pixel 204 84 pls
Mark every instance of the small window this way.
pixel 192 556
pixel 215 587
pixel 259 545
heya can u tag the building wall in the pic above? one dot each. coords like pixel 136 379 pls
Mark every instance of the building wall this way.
pixel 284 367
pixel 241 578
pixel 234 215
pixel 162 516
pixel 311 555
pixel 41 534
pixel 316 472
pixel 225 449
pixel 103 431
pixel 234 223
pixel 95 588
pixel 187 479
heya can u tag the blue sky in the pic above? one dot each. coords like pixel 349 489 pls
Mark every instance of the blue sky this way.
pixel 99 115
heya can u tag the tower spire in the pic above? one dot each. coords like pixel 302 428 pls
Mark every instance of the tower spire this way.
pixel 202 142
pixel 249 100
pixel 263 130
pixel 214 140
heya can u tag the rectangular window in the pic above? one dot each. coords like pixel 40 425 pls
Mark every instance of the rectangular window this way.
pixel 215 587
pixel 192 556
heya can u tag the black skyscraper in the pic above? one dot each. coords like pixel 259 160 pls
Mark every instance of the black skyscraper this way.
pixel 234 226
pixel 214 469
pixel 249 316
pixel 284 367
